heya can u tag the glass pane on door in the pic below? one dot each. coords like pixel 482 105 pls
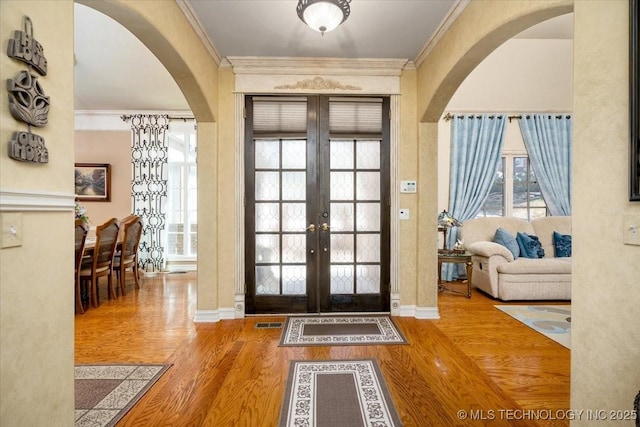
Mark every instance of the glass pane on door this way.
pixel 280 217
pixel 355 183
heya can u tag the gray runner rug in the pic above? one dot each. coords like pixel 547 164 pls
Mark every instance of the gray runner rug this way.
pixel 105 393
pixel 337 393
pixel 340 330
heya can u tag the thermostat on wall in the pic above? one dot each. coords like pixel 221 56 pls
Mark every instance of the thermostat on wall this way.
pixel 408 186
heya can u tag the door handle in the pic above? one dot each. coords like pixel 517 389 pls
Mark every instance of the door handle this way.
pixel 325 226
pixel 311 228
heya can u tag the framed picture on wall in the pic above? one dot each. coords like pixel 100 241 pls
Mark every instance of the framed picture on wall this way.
pixel 634 100
pixel 93 182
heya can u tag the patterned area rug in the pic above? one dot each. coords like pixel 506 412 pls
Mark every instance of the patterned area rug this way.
pixel 337 393
pixel 553 321
pixel 340 330
pixel 104 393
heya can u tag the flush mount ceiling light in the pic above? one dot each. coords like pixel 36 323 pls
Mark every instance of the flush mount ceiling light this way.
pixel 323 15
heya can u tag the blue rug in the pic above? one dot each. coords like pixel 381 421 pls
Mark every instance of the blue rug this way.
pixel 552 321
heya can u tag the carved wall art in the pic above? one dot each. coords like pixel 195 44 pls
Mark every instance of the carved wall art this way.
pixel 25 48
pixel 27 101
pixel 318 83
pixel 28 147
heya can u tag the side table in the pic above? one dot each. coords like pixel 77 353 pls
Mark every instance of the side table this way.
pixel 455 258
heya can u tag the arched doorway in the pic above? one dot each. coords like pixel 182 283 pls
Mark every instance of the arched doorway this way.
pixel 480 29
pixel 170 37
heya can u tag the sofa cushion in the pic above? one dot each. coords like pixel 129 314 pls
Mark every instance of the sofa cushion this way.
pixel 506 239
pixel 561 245
pixel 536 266
pixel 530 246
pixel 544 228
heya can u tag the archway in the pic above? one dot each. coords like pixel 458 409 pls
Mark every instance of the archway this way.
pixel 170 37
pixel 480 29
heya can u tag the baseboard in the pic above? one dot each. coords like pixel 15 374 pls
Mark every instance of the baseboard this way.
pixel 206 316
pixel 214 316
pixel 419 312
pixel 180 268
pixel 427 313
pixel 227 313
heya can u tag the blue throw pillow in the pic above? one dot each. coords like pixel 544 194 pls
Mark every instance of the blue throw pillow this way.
pixel 530 246
pixel 561 244
pixel 507 240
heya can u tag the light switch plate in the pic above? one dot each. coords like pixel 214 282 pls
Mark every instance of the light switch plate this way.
pixel 11 229
pixel 404 214
pixel 631 229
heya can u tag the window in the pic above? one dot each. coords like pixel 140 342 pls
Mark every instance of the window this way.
pixel 527 202
pixel 494 205
pixel 515 191
pixel 182 193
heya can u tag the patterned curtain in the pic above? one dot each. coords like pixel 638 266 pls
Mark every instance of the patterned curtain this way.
pixel 476 148
pixel 149 154
pixel 548 141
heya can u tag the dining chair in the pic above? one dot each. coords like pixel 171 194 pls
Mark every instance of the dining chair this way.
pixel 128 218
pixel 81 230
pixel 127 257
pixel 101 264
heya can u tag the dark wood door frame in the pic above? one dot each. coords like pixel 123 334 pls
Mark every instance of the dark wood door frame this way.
pixel 318 298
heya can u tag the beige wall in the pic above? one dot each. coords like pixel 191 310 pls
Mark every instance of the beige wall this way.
pixel 208 284
pixel 408 170
pixel 36 290
pixel 113 148
pixel 227 277
pixel 605 373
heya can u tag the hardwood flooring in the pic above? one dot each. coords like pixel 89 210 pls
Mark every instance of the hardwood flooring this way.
pixel 475 359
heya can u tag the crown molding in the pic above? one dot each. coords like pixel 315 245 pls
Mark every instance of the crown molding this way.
pixel 195 23
pixel 410 66
pixel 444 26
pixel 316 66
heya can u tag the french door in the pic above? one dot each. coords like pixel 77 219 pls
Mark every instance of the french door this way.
pixel 317 204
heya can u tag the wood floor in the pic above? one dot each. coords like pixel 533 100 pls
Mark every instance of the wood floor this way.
pixel 475 359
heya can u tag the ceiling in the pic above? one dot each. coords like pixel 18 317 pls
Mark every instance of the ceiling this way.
pixel 115 71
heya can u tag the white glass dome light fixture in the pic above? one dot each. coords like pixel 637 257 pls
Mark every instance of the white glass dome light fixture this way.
pixel 323 15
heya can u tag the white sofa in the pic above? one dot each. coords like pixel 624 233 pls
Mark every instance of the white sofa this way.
pixel 497 273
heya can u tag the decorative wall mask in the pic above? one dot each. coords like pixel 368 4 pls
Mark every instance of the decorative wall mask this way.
pixel 27 101
pixel 25 48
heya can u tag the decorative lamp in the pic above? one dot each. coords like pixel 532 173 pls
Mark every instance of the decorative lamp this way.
pixel 323 15
pixel 445 222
